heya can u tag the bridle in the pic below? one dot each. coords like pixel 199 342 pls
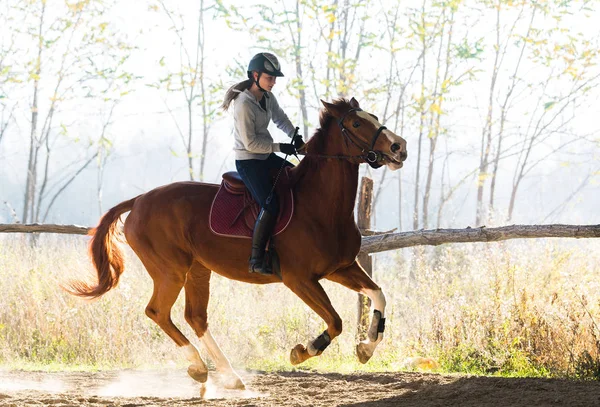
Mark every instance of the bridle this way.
pixel 371 156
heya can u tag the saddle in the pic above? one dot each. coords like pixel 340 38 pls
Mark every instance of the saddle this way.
pixel 234 211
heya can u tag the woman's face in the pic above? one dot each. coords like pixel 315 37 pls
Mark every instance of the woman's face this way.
pixel 266 81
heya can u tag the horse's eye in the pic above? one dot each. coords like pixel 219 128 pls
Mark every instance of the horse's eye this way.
pixel 356 124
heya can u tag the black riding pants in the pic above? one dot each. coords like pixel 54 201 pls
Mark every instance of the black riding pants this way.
pixel 256 174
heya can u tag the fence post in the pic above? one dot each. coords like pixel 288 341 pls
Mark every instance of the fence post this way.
pixel 365 199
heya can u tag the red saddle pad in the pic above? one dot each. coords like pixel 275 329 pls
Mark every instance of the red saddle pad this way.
pixel 234 211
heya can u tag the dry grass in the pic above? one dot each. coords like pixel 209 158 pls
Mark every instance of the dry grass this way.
pixel 515 308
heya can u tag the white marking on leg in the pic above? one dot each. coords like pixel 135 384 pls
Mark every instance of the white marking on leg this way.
pixel 377 299
pixel 216 354
pixel 232 380
pixel 192 355
pixel 377 303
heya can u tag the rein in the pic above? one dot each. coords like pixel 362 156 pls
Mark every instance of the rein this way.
pixel 270 197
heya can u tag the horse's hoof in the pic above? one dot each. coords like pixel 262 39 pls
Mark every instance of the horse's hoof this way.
pixel 235 384
pixel 363 353
pixel 198 374
pixel 297 355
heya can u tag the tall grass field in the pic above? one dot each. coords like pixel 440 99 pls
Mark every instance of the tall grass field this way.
pixel 517 308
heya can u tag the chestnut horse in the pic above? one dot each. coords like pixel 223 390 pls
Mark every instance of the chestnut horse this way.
pixel 168 229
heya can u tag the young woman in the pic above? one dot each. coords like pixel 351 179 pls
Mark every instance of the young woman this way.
pixel 254 147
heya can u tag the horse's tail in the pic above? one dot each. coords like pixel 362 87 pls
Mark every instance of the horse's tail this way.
pixel 105 253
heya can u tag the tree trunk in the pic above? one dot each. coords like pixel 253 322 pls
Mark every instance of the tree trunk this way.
pixel 200 65
pixel 30 183
pixel 504 112
pixel 486 134
pixel 421 123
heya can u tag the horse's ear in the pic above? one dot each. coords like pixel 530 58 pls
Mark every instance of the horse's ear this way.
pixel 333 110
pixel 354 103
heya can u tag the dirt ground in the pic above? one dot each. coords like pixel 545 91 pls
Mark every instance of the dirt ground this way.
pixel 175 388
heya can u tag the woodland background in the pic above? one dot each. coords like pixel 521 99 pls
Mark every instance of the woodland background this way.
pixel 100 100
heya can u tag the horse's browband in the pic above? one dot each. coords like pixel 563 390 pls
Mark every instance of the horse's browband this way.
pixel 341 121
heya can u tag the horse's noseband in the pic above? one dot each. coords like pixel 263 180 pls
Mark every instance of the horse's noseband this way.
pixel 371 156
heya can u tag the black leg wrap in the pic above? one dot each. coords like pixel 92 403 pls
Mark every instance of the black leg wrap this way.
pixel 322 342
pixel 381 326
pixel 377 326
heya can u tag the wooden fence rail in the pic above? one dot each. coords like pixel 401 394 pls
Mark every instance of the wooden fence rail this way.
pixel 392 241
pixel 44 228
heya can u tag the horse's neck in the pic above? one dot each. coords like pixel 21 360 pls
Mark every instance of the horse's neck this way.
pixel 329 182
pixel 330 185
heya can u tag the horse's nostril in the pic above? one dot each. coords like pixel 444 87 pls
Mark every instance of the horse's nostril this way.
pixel 395 147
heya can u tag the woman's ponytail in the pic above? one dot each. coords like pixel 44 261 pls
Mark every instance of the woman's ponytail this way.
pixel 234 91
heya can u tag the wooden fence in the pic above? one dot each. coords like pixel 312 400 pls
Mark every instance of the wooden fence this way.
pixel 380 242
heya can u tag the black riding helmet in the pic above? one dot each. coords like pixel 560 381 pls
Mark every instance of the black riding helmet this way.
pixel 264 62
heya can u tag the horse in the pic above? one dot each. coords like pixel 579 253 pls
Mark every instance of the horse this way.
pixel 168 230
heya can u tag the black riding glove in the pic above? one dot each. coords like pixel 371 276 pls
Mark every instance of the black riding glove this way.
pixel 298 142
pixel 286 148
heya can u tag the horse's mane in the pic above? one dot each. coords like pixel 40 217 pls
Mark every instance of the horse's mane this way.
pixel 316 144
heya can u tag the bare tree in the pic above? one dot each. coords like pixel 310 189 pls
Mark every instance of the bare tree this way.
pixel 295 25
pixel 189 79
pixel 422 33
pixel 440 88
pixel 66 47
pixel 546 122
pixel 8 54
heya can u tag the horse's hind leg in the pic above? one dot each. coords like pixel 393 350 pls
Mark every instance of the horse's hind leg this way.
pixel 313 294
pixel 197 290
pixel 355 278
pixel 166 290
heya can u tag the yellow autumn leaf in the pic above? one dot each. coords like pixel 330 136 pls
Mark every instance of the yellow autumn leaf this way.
pixel 76 7
pixel 435 108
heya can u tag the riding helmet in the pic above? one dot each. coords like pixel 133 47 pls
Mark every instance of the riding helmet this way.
pixel 264 62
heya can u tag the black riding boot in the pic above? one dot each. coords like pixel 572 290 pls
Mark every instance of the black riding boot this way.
pixel 262 232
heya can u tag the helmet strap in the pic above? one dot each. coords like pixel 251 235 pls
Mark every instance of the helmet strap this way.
pixel 257 84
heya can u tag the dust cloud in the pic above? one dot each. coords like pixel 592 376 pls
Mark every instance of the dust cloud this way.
pixel 167 385
pixel 128 384
pixel 47 385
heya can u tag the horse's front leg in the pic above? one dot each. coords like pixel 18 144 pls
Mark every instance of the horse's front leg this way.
pixel 313 294
pixel 355 278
